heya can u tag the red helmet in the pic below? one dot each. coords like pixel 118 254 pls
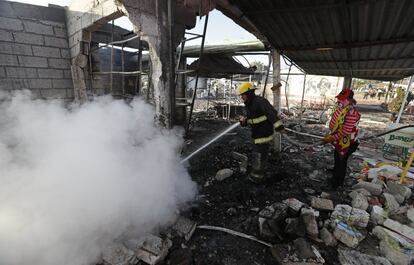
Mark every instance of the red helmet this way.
pixel 345 94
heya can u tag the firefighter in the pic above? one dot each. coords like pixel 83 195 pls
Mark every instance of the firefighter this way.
pixel 263 119
pixel 344 134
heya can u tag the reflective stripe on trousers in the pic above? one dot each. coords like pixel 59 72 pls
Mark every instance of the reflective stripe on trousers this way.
pixel 263 140
pixel 257 120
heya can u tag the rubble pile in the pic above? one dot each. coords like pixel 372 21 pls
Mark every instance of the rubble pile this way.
pixel 379 208
pixel 150 249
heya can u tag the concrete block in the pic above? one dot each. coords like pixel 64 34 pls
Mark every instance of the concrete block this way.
pixel 410 214
pixel 359 191
pixel 43 51
pixel 62 83
pixel 5 35
pixel 56 42
pixel 184 227
pixel 29 38
pixel 31 61
pixel 51 93
pixel 399 228
pixel 59 63
pixel 36 27
pixel 396 188
pixel 294 204
pixel 6 9
pixel 348 235
pixel 150 249
pixel 309 219
pixel 20 83
pixel 378 215
pixel 21 72
pixel 7 59
pixel 395 253
pixel 352 257
pixel 11 24
pixel 60 32
pixel 374 189
pixel 327 237
pixel 322 204
pixel 67 74
pixel 360 201
pixel 15 48
pixel 352 216
pixel 2 72
pixel 222 174
pixel 50 73
pixel 64 53
pixel 40 83
pixel 391 203
pixel 54 24
pixel 6 84
pixel 118 254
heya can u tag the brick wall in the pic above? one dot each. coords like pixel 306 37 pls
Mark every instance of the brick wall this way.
pixel 34 52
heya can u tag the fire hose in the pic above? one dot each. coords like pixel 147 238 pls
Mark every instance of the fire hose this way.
pixel 320 137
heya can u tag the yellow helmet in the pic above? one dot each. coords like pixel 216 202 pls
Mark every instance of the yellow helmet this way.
pixel 246 86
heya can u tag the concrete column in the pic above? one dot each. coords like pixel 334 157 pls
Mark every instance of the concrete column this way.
pixel 347 82
pixel 276 95
pixel 150 18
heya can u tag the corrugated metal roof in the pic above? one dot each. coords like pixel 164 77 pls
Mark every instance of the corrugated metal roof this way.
pixel 371 39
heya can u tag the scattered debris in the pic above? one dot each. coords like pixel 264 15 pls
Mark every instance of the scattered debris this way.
pixel 118 254
pixel 348 235
pixel 322 204
pixel 374 189
pixel 360 201
pixel 151 249
pixel 391 203
pixel 352 257
pixel 184 227
pixel 378 215
pixel 309 219
pixel 327 237
pixel 352 216
pixel 223 174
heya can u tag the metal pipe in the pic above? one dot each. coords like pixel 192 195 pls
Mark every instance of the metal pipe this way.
pixel 404 100
pixel 197 73
pixel 267 74
pixel 301 102
pixel 114 42
pixel 111 78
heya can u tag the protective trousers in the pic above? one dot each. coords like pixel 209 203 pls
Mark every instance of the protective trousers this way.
pixel 259 161
pixel 339 171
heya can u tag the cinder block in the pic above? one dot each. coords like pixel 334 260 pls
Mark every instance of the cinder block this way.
pixel 40 83
pixel 2 72
pixel 11 24
pixel 31 61
pixel 7 59
pixel 59 63
pixel 6 35
pixel 60 32
pixel 62 83
pixel 20 84
pixel 6 84
pixel 50 73
pixel 53 23
pixel 6 10
pixel 46 51
pixel 65 53
pixel 15 48
pixel 67 74
pixel 21 72
pixel 51 93
pixel 28 38
pixel 56 42
pixel 37 27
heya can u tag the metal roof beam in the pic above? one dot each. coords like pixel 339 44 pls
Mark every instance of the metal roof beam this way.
pixel 355 60
pixel 347 45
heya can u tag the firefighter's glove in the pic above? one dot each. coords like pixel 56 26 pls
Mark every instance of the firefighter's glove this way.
pixel 328 138
pixel 243 121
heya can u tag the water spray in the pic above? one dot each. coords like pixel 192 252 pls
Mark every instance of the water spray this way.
pixel 232 127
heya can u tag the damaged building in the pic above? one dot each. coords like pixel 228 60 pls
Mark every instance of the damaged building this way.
pixel 77 53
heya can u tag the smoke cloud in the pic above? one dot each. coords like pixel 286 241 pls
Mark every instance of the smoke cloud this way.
pixel 73 179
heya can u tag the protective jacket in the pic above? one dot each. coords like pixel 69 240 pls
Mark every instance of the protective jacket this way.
pixel 262 118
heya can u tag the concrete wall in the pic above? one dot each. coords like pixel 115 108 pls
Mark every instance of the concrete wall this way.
pixel 34 50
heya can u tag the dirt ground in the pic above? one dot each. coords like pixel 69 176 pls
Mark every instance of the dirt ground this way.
pixel 234 203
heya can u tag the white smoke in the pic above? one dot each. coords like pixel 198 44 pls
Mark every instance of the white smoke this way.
pixel 73 180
